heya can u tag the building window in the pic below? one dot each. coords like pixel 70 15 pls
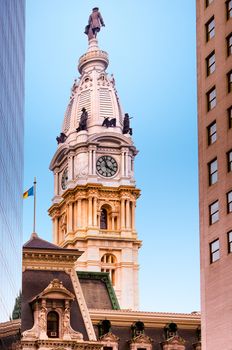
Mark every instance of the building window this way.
pixel 212 133
pixel 213 171
pixel 229 44
pixel 213 212
pixel 229 236
pixel 53 324
pixel 208 2
pixel 103 219
pixel 210 63
pixel 108 262
pixel 210 29
pixel 229 160
pixel 211 98
pixel 229 113
pixel 229 202
pixel 214 251
pixel 229 81
pixel 228 9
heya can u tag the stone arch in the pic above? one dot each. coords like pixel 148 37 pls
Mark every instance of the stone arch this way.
pixel 108 264
pixel 53 324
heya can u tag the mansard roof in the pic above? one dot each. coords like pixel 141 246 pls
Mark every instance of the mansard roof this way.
pixel 98 290
pixel 39 243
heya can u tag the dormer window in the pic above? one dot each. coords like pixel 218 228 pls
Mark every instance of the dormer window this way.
pixel 53 324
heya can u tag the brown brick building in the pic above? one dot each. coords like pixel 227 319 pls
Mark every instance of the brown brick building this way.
pixel 214 79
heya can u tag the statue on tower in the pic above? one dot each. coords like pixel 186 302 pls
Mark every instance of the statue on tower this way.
pixel 83 120
pixel 126 125
pixel 95 23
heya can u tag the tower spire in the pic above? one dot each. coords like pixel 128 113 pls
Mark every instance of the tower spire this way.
pixel 94 194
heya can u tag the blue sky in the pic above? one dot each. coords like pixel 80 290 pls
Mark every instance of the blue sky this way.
pixel 151 46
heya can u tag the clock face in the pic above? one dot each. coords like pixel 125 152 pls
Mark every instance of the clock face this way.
pixel 64 179
pixel 106 166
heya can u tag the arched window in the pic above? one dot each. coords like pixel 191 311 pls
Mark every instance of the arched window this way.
pixel 53 324
pixel 103 219
pixel 108 262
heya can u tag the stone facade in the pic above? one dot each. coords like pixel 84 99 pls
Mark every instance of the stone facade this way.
pixel 95 195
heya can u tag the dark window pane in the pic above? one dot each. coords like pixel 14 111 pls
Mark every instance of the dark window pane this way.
pixel 229 9
pixel 229 202
pixel 229 80
pixel 210 29
pixel 212 133
pixel 210 63
pixel 229 160
pixel 229 113
pixel 213 212
pixel 229 45
pixel 214 251
pixel 213 172
pixel 211 98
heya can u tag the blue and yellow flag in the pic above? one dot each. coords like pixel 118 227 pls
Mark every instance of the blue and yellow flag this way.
pixel 29 192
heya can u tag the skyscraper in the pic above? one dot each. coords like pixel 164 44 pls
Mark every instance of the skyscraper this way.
pixel 214 74
pixel 12 32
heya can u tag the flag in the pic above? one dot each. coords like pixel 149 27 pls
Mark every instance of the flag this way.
pixel 29 192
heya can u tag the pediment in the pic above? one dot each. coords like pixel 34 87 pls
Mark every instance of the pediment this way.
pixel 176 340
pixel 142 338
pixel 58 156
pixel 109 337
pixel 55 290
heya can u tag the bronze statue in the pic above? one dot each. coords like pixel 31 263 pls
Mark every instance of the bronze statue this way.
pixel 95 23
pixel 62 138
pixel 108 123
pixel 126 125
pixel 83 121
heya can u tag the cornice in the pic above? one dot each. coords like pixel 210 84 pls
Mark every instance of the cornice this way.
pixel 61 344
pixel 150 319
pixel 99 189
pixel 58 259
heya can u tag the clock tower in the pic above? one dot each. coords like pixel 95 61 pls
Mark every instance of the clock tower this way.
pixel 93 208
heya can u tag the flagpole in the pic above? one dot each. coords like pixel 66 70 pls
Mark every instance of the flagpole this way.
pixel 34 205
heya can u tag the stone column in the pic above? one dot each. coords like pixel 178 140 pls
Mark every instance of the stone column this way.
pixel 122 164
pixel 70 218
pixel 90 161
pixel 126 163
pixel 56 183
pixel 70 167
pixel 94 162
pixel 133 216
pixel 122 213
pixel 127 213
pixel 90 211
pixel 95 211
pixel 79 213
pixel 55 231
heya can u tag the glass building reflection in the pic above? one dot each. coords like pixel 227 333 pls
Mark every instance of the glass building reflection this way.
pixel 12 39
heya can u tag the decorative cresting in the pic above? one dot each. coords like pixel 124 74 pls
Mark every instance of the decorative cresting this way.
pixel 54 300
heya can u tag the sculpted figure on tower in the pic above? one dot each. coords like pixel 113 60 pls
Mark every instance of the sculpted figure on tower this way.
pixel 95 23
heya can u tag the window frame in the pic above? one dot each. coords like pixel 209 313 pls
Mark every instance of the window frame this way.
pixel 208 65
pixel 229 202
pixel 207 31
pixel 229 44
pixel 211 135
pixel 228 9
pixel 229 161
pixel 208 2
pixel 210 103
pixel 215 251
pixel 229 81
pixel 213 213
pixel 229 241
pixel 212 174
